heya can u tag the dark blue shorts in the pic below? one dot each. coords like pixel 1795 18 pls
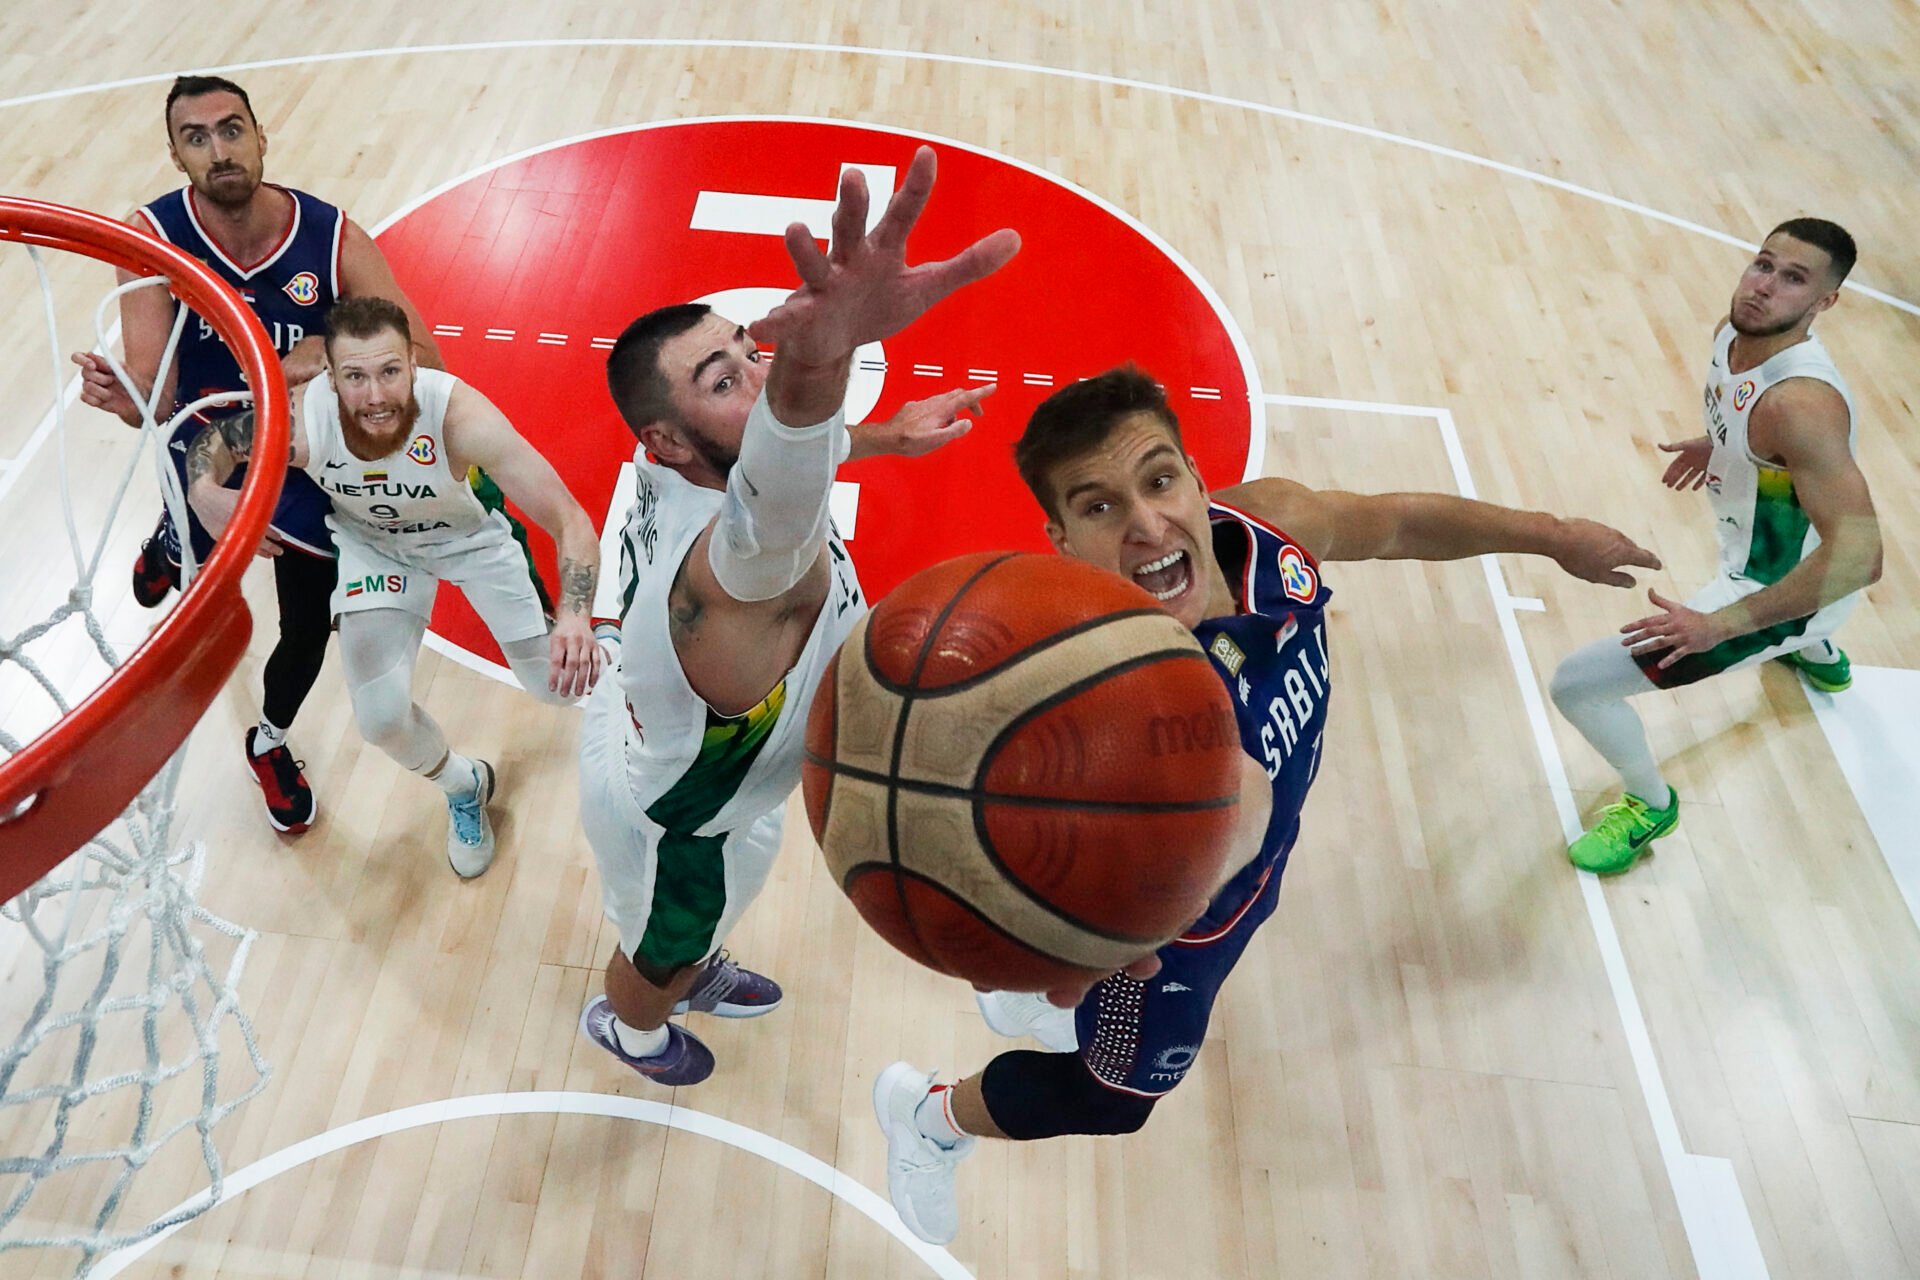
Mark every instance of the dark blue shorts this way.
pixel 300 517
pixel 1141 1037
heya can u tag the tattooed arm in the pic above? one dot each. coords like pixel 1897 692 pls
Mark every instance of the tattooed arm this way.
pixel 213 456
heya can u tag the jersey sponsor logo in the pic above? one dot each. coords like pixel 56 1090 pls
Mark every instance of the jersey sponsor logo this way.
pixel 1202 731
pixel 703 206
pixel 1297 577
pixel 1741 395
pixel 390 584
pixel 304 288
pixel 1171 988
pixel 1227 653
pixel 421 450
pixel 1170 1066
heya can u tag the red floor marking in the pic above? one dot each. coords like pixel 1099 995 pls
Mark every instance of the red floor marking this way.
pixel 580 239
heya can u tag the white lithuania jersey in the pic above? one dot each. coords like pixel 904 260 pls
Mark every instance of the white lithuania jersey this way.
pixel 410 498
pixel 693 770
pixel 1763 530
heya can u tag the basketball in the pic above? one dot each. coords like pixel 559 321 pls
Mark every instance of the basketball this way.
pixel 1022 771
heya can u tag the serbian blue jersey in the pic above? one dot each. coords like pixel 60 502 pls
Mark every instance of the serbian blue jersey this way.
pixel 291 290
pixel 1272 655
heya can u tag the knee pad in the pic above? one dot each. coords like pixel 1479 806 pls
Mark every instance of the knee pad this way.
pixel 1045 1095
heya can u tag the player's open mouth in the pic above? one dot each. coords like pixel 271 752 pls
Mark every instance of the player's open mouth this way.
pixel 1166 577
pixel 377 417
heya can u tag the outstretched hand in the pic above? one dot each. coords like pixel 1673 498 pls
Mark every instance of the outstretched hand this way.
pixel 1689 469
pixel 861 289
pixel 1676 627
pixel 921 426
pixel 1594 552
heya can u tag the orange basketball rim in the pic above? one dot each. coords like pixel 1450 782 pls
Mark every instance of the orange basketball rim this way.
pixel 64 787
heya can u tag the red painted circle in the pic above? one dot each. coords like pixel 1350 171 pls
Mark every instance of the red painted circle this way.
pixel 567 245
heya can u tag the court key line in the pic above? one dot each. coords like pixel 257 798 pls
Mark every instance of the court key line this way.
pixel 1705 1188
pixel 556 1102
pixel 959 59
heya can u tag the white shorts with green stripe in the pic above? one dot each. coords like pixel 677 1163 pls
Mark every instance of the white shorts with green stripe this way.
pixel 673 897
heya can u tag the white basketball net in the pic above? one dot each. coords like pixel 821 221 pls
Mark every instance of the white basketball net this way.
pixel 121 1052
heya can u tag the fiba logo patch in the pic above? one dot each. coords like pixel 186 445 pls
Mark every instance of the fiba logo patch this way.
pixel 1741 395
pixel 1170 1066
pixel 1297 577
pixel 304 288
pixel 421 450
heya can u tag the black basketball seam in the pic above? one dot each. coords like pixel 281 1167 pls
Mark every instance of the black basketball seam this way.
pixel 1046 704
pixel 947 791
pixel 1008 661
pixel 975 912
pixel 900 731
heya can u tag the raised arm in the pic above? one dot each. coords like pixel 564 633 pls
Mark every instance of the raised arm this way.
pixel 478 434
pixel 1332 525
pixel 753 582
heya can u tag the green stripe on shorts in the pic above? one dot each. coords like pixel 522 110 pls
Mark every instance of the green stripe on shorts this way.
pixel 689 878
pixel 689 895
pixel 1722 657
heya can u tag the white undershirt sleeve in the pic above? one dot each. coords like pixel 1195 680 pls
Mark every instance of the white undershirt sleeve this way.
pixel 774 518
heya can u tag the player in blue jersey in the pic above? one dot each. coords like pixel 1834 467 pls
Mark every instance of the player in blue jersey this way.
pixel 291 256
pixel 1242 568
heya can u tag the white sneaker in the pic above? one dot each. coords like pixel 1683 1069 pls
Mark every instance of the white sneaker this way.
pixel 919 1170
pixel 469 830
pixel 1016 1013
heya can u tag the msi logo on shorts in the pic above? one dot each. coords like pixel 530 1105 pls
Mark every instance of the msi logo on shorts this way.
pixel 421 450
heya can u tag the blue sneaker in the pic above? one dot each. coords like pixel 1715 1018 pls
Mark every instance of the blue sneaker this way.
pixel 469 833
pixel 725 990
pixel 685 1060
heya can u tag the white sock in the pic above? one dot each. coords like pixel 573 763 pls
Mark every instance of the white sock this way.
pixel 637 1043
pixel 934 1118
pixel 268 736
pixel 1823 651
pixel 457 777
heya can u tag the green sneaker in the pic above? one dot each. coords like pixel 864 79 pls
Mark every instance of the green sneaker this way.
pixel 1827 677
pixel 1624 832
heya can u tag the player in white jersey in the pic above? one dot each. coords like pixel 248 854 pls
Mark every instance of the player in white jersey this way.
pixel 1799 540
pixel 391 443
pixel 736 594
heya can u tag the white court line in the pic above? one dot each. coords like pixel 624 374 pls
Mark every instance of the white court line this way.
pixel 560 1102
pixel 1705 1188
pixel 965 60
pixel 1873 731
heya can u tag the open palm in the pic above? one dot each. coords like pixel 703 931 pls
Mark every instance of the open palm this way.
pixel 861 289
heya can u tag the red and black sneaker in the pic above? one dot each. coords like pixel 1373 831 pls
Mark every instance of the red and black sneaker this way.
pixel 290 806
pixel 153 575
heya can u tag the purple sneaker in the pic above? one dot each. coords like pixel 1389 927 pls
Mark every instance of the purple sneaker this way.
pixel 725 990
pixel 685 1060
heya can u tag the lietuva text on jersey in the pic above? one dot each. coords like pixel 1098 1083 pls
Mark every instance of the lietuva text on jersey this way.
pixel 1272 655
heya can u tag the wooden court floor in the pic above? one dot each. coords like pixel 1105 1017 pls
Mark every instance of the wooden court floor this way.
pixel 1447 1055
